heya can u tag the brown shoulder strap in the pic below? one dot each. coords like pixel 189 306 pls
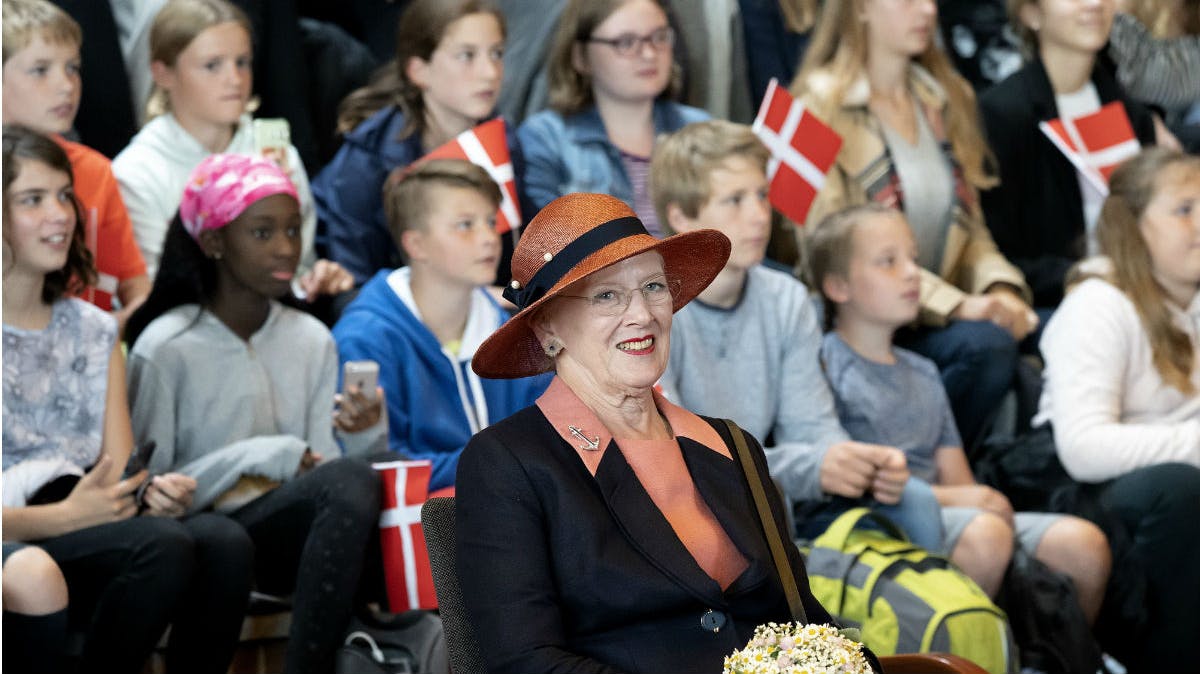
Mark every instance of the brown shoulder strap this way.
pixel 770 527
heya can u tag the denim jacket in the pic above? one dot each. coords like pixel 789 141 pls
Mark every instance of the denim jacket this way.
pixel 573 153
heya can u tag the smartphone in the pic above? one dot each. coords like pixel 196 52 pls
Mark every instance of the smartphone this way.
pixel 361 373
pixel 140 459
pixel 272 138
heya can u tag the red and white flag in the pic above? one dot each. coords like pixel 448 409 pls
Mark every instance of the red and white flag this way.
pixel 802 147
pixel 1095 143
pixel 486 146
pixel 406 566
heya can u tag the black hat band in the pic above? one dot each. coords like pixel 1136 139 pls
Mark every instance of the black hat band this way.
pixel 571 255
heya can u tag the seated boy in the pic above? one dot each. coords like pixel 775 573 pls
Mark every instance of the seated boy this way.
pixel 864 261
pixel 41 91
pixel 423 322
pixel 746 347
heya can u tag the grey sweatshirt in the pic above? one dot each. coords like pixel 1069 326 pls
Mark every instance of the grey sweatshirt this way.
pixel 757 364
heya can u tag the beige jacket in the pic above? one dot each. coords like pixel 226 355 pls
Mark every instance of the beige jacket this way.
pixel 970 262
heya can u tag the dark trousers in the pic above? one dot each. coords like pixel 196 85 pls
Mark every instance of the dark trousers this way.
pixel 128 580
pixel 310 539
pixel 1160 506
pixel 977 360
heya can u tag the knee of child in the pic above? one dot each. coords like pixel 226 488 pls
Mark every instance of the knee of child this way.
pixel 1076 547
pixel 33 583
pixel 989 537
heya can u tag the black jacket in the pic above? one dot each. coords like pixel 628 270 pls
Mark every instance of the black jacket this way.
pixel 1036 213
pixel 562 571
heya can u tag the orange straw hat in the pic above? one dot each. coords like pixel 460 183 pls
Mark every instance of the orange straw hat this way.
pixel 572 237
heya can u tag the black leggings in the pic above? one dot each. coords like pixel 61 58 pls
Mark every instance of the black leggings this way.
pixel 1160 506
pixel 127 581
pixel 310 539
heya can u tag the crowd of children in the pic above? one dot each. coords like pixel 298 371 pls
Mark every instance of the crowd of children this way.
pixel 945 246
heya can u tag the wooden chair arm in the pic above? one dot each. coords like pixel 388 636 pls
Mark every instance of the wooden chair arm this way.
pixel 929 663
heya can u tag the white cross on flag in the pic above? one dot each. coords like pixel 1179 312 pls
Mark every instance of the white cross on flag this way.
pixel 802 147
pixel 405 559
pixel 486 146
pixel 1095 143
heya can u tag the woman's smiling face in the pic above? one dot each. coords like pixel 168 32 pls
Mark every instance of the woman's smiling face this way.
pixel 617 354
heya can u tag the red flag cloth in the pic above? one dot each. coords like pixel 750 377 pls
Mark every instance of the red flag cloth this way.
pixel 406 567
pixel 802 147
pixel 1095 143
pixel 486 146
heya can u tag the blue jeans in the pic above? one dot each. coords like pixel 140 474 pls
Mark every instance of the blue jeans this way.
pixel 977 360
pixel 917 513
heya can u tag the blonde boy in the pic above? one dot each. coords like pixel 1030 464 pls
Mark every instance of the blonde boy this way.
pixel 864 261
pixel 423 322
pixel 42 86
pixel 746 348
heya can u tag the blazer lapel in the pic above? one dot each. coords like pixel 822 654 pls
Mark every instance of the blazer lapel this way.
pixel 718 479
pixel 647 530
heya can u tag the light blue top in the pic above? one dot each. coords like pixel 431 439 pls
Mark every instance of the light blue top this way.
pixel 902 405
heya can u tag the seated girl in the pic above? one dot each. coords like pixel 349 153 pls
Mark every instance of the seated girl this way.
pixel 237 390
pixel 67 437
pixel 1121 387
pixel 612 75
pixel 444 81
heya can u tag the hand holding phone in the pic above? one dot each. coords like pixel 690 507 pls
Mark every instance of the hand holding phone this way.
pixel 358 405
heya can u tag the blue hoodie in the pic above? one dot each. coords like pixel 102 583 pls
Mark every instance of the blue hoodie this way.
pixel 435 403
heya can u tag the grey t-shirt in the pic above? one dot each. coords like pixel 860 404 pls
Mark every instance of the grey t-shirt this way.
pixel 928 186
pixel 902 405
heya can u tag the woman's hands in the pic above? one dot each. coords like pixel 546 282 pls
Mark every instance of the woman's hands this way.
pixel 169 495
pixel 1001 306
pixel 355 411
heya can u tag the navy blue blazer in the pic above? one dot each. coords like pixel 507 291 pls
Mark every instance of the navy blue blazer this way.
pixel 565 572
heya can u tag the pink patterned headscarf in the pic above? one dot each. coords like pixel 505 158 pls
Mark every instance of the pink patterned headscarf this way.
pixel 224 185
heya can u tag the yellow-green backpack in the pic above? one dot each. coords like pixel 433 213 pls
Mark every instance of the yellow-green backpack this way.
pixel 903 598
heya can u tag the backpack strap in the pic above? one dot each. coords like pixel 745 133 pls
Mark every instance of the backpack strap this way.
pixel 769 525
pixel 838 533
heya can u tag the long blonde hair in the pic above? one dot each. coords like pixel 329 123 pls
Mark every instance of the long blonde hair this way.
pixel 839 46
pixel 799 15
pixel 1131 188
pixel 175 26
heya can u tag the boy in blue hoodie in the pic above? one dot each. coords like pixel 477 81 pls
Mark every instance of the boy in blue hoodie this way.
pixel 422 322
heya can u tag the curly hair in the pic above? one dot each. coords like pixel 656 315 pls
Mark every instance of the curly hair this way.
pixel 22 145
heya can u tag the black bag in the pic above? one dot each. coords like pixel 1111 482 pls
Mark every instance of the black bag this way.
pixel 1043 611
pixel 402 643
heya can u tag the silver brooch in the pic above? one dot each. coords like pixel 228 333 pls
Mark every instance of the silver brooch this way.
pixel 591 445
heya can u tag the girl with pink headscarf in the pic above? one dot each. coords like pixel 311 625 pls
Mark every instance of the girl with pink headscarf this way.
pixel 236 387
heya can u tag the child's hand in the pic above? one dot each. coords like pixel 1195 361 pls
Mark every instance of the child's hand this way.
pixel 849 468
pixel 326 278
pixel 890 476
pixel 1001 307
pixel 101 496
pixel 170 495
pixel 308 461
pixel 976 496
pixel 355 411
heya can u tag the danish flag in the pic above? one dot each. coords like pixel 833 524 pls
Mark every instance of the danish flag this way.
pixel 405 559
pixel 486 146
pixel 802 147
pixel 1095 143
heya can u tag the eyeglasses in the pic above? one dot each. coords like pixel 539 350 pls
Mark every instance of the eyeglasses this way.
pixel 628 44
pixel 657 292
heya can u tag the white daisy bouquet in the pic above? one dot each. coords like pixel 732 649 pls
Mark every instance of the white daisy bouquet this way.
pixel 792 648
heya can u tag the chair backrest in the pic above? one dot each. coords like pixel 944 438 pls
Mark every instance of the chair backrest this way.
pixel 437 519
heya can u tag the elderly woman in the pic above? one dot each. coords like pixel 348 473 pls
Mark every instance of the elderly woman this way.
pixel 605 529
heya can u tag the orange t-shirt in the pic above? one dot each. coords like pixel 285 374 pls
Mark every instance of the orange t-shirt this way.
pixel 108 232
